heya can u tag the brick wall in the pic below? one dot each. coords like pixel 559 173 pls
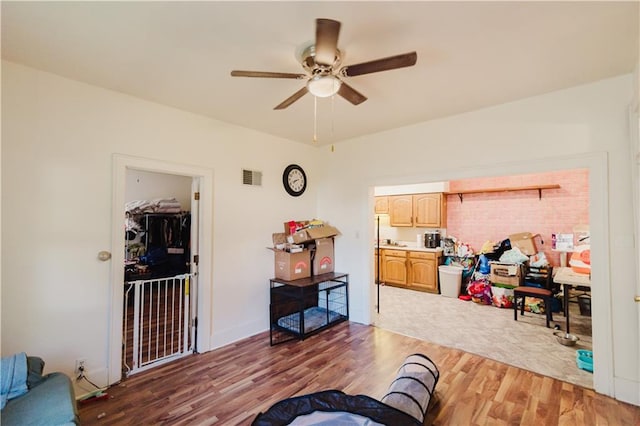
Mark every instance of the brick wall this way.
pixel 493 216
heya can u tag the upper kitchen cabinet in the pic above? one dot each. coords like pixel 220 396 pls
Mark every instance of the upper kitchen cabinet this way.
pixel 420 210
pixel 430 210
pixel 401 210
pixel 382 205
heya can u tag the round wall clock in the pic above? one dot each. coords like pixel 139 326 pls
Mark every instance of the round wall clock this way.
pixel 294 180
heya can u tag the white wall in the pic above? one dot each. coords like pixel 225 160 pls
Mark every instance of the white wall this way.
pixel 58 141
pixel 580 127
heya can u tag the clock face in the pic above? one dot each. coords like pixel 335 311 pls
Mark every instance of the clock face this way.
pixel 294 180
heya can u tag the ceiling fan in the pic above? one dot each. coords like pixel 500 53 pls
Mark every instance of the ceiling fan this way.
pixel 322 60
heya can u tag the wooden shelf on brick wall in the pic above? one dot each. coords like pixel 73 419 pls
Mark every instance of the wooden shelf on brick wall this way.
pixel 538 188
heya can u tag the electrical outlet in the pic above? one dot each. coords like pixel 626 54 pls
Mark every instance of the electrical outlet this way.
pixel 80 367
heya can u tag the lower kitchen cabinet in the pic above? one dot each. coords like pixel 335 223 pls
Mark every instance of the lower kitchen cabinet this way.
pixel 394 267
pixel 417 270
pixel 423 271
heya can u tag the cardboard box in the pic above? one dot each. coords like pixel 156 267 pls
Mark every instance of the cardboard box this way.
pixel 524 242
pixel 325 231
pixel 506 274
pixel 323 257
pixel 299 237
pixel 279 240
pixel 310 234
pixel 292 266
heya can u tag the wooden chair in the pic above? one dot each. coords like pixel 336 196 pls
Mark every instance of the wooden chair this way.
pixel 542 277
pixel 541 293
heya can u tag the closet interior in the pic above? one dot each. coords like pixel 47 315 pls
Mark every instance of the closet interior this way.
pixel 157 240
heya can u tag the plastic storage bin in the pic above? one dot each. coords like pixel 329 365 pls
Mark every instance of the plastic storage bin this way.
pixel 584 359
pixel 450 280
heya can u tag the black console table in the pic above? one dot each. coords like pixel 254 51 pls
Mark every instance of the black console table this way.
pixel 303 307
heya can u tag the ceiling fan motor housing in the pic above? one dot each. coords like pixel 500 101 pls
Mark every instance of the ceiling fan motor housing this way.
pixel 308 60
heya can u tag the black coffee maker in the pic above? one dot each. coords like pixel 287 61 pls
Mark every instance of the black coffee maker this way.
pixel 432 239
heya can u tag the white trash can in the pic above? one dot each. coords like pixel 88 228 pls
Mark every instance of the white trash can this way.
pixel 450 280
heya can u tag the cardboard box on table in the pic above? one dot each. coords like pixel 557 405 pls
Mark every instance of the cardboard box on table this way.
pixel 316 257
pixel 309 234
pixel 292 266
pixel 322 258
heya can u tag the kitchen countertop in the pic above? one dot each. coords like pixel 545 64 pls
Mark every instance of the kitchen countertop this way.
pixel 409 248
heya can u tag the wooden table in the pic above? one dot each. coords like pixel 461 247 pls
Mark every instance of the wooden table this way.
pixel 568 279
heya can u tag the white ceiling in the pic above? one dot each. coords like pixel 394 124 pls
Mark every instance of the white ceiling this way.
pixel 470 55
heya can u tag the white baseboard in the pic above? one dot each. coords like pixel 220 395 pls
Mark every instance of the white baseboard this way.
pixel 627 391
pixel 231 335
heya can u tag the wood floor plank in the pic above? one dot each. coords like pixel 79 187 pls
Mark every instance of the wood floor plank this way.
pixel 231 385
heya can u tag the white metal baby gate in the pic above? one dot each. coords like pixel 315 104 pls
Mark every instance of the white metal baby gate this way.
pixel 157 320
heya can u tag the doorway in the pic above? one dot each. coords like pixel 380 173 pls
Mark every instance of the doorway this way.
pixel 199 281
pixel 159 323
pixel 491 325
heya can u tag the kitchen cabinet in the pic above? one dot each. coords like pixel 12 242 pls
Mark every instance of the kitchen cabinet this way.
pixel 382 205
pixel 423 271
pixel 394 265
pixel 417 270
pixel 419 210
pixel 430 210
pixel 401 210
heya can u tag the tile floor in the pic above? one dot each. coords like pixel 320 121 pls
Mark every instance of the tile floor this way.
pixel 488 331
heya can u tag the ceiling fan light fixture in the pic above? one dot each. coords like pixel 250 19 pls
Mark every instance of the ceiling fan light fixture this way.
pixel 324 86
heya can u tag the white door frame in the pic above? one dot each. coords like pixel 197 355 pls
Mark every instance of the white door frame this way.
pixel 205 225
pixel 634 145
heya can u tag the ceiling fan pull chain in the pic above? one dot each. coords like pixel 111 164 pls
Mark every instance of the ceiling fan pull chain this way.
pixel 332 100
pixel 315 119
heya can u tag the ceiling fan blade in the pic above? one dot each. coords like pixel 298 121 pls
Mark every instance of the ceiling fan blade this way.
pixel 291 99
pixel 351 94
pixel 384 64
pixel 327 31
pixel 266 74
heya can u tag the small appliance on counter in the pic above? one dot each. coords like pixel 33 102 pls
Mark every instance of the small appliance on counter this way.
pixel 432 239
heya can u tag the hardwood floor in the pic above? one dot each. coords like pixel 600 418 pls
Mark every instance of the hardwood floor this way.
pixel 231 385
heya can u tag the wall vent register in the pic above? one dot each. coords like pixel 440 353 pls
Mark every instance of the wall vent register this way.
pixel 251 177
